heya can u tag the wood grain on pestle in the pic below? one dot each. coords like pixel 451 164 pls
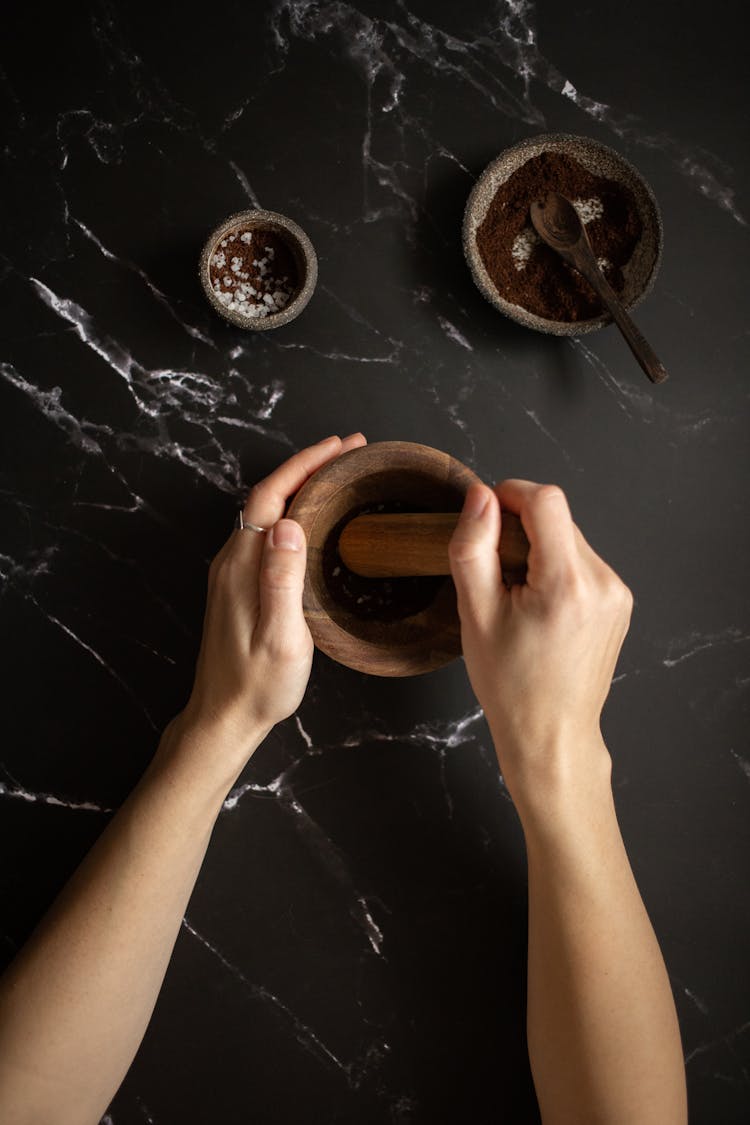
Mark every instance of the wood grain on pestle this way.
pixel 401 544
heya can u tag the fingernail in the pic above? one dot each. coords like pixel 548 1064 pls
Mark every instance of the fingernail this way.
pixel 357 433
pixel 327 439
pixel 287 535
pixel 475 503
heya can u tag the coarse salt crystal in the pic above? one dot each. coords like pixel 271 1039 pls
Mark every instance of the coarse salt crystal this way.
pixel 523 244
pixel 219 259
pixel 223 242
pixel 589 209
pixel 227 280
pixel 246 236
pixel 268 299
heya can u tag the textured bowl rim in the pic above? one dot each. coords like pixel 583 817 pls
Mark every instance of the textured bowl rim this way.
pixel 303 244
pixel 533 145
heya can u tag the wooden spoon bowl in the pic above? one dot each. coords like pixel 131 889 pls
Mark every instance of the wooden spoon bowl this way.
pixel 401 627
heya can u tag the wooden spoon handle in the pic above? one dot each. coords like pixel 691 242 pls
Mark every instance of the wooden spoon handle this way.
pixel 405 544
pixel 637 343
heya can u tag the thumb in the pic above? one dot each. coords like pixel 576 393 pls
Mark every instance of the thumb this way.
pixel 474 555
pixel 282 576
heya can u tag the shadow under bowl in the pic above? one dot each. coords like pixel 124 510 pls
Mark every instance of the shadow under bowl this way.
pixel 600 160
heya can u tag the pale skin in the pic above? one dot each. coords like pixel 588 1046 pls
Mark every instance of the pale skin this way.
pixel 603 1037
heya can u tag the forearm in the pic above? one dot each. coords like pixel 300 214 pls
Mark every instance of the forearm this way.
pixel 76 1002
pixel 603 1037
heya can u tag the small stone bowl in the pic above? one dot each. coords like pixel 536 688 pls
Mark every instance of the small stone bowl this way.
pixel 304 256
pixel 639 273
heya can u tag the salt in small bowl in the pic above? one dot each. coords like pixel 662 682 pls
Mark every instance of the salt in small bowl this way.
pixel 302 251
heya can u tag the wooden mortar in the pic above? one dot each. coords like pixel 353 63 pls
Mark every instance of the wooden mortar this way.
pixel 418 629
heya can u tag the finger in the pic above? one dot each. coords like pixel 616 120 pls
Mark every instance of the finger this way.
pixel 281 624
pixel 353 441
pixel 475 557
pixel 549 527
pixel 267 500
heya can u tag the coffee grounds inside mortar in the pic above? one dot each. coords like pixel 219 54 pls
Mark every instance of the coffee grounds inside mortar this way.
pixel 527 272
pixel 375 599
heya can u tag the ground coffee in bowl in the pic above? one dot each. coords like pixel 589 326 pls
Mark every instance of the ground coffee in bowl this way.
pixel 524 278
pixel 527 272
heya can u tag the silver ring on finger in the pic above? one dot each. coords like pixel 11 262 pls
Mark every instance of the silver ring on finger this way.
pixel 241 524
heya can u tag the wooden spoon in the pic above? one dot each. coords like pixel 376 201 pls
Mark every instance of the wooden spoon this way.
pixel 557 223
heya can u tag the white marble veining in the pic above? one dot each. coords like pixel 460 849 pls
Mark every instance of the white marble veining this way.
pixel 355 1071
pixel 22 576
pixel 491 63
pixel 16 792
pixel 330 857
pixel 722 1043
pixel 153 289
pixel 166 393
pixel 389 52
pixel 742 762
pixel 685 648
pixel 304 1035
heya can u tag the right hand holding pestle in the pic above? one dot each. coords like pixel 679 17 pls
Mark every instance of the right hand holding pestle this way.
pixel 540 656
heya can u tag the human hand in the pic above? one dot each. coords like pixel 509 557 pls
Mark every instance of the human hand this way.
pixel 540 656
pixel 256 651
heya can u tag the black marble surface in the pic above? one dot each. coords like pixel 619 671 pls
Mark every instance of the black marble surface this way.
pixel 354 950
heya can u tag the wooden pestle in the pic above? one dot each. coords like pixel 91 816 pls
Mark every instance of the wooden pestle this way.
pixel 405 544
